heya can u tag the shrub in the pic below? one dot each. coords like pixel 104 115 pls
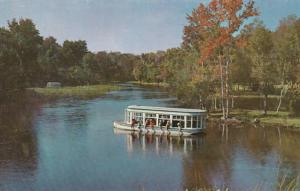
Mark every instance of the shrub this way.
pixel 294 107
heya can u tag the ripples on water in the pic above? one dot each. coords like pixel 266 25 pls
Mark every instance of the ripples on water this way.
pixel 71 145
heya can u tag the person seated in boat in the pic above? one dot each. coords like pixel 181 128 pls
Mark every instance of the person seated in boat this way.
pixel 168 125
pixel 160 124
pixel 147 123
pixel 139 124
pixel 152 123
pixel 179 125
pixel 133 122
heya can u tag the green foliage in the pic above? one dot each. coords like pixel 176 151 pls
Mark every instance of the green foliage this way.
pixel 26 44
pixel 264 69
pixel 28 60
pixel 294 107
pixel 50 60
pixel 241 68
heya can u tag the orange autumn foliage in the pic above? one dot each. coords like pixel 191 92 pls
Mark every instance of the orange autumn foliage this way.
pixel 217 22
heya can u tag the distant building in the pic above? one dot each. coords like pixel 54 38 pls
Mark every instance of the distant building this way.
pixel 53 85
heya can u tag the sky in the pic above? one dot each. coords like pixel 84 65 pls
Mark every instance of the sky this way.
pixel 128 26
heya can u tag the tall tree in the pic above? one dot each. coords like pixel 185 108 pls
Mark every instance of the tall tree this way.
pixel 73 52
pixel 264 70
pixel 9 69
pixel 27 42
pixel 50 59
pixel 287 50
pixel 215 25
pixel 241 68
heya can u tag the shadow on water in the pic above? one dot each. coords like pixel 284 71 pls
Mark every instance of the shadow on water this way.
pixel 18 142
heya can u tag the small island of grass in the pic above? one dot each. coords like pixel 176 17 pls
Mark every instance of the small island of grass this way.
pixel 86 92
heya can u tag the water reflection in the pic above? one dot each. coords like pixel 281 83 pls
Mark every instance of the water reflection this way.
pixel 239 158
pixel 160 143
pixel 243 158
pixel 18 143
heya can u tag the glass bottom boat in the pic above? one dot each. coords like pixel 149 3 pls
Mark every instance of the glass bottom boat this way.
pixel 163 120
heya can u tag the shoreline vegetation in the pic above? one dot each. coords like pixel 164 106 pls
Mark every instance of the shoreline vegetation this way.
pixel 281 118
pixel 82 92
pixel 154 84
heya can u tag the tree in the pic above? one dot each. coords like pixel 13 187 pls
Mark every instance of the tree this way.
pixel 50 59
pixel 73 52
pixel 214 25
pixel 287 50
pixel 27 42
pixel 241 68
pixel 91 68
pixel 9 69
pixel 264 70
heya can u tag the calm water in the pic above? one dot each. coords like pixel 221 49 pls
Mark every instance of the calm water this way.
pixel 71 145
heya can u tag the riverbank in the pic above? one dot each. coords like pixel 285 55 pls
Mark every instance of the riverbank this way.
pixel 272 118
pixel 155 84
pixel 83 92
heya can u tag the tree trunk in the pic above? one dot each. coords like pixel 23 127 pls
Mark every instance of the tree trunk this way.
pixel 280 97
pixel 222 89
pixel 215 103
pixel 265 104
pixel 227 88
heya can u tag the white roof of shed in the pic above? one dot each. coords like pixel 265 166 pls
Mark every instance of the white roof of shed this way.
pixel 166 109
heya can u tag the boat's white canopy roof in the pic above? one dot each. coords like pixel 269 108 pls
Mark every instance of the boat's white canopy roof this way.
pixel 164 109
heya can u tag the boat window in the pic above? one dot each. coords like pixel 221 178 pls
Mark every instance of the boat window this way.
pixel 199 121
pixel 194 121
pixel 188 121
pixel 178 117
pixel 176 122
pixel 162 121
pixel 127 116
pixel 138 116
pixel 164 116
pixel 150 115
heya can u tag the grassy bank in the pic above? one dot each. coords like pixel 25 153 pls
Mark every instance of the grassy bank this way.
pixel 157 84
pixel 86 92
pixel 280 118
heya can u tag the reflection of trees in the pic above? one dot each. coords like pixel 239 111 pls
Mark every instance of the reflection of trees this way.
pixel 263 142
pixel 257 142
pixel 213 163
pixel 215 160
pixel 18 146
pixel 210 164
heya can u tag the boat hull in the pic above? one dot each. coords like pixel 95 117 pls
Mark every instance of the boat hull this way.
pixel 171 132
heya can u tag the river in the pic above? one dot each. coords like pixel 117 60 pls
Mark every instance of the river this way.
pixel 70 145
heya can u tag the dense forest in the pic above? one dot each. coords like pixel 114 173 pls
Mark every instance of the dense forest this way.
pixel 29 60
pixel 208 66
